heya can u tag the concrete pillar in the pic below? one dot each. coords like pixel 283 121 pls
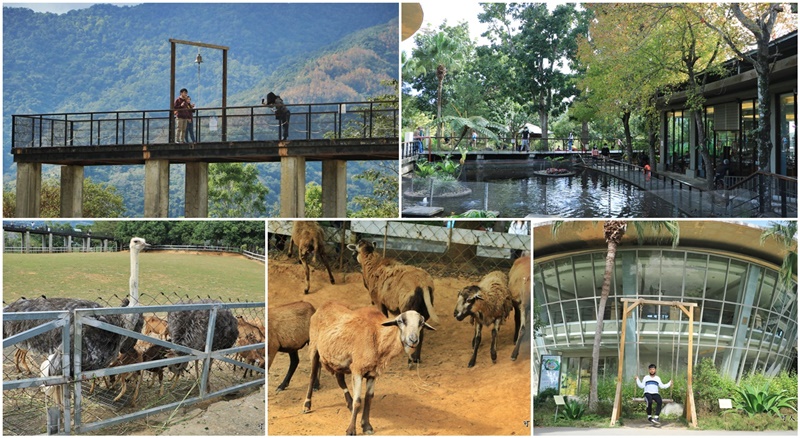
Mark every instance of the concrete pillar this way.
pixel 334 188
pixel 156 188
pixel 662 146
pixel 105 245
pixel 29 189
pixel 293 187
pixel 71 191
pixel 69 243
pixel 26 242
pixel 196 190
pixel 49 242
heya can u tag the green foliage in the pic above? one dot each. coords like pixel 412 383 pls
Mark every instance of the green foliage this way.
pixel 425 169
pixel 477 214
pixel 234 190
pixel 709 386
pixel 753 399
pixel 313 200
pixel 543 396
pixel 383 202
pixel 573 410
pixel 99 200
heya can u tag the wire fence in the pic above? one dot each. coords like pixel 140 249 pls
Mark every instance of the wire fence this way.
pixel 459 248
pixel 102 405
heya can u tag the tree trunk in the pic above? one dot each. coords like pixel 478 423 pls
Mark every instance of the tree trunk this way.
pixel 439 111
pixel 626 124
pixel 585 134
pixel 614 230
pixel 702 145
pixel 763 140
pixel 598 333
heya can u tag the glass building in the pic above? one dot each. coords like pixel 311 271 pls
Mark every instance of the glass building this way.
pixel 745 319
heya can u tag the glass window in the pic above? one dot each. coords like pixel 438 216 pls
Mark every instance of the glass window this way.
pixel 584 274
pixel 566 279
pixel 787 151
pixel 648 266
pixel 696 269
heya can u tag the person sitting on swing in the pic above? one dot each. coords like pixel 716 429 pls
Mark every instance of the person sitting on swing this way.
pixel 650 384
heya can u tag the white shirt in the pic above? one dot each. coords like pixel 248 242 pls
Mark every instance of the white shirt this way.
pixel 651 384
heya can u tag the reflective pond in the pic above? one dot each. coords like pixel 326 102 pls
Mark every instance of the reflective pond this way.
pixel 588 194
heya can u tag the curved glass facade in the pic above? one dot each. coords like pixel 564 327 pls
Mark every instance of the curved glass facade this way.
pixel 745 320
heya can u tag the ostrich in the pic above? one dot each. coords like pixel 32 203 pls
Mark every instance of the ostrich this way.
pixel 190 328
pixel 100 347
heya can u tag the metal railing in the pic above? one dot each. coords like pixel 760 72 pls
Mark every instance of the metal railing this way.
pixel 75 381
pixel 338 120
pixel 198 248
pixel 740 200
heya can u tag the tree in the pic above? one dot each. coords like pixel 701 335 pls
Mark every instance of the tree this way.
pixel 786 234
pixel 614 231
pixel 99 200
pixel 435 54
pixel 383 202
pixel 313 200
pixel 542 52
pixel 234 190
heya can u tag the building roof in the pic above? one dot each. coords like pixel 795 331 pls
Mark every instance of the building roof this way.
pixel 732 237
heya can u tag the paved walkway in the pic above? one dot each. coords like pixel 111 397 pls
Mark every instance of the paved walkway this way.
pixel 687 194
pixel 648 430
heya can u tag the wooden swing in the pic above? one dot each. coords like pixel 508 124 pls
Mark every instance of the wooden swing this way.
pixel 628 305
pixel 673 365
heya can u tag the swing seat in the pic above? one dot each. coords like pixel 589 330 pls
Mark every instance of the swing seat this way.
pixel 642 400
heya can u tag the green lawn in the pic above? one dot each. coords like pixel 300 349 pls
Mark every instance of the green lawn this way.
pixel 93 275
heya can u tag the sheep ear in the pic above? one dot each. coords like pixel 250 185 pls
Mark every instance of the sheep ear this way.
pixel 352 247
pixel 477 297
pixel 427 326
pixel 389 323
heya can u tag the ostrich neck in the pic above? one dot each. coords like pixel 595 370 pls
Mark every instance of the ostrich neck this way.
pixel 134 282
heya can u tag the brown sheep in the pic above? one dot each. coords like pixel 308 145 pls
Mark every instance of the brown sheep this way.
pixel 395 287
pixel 21 357
pixel 250 333
pixel 130 357
pixel 288 332
pixel 156 352
pixel 310 242
pixel 519 283
pixel 362 343
pixel 154 324
pixel 489 302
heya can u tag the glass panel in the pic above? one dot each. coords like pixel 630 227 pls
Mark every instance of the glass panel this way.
pixel 695 273
pixel 549 282
pixel 673 271
pixel 648 266
pixel 787 153
pixel 585 276
pixel 736 278
pixel 565 279
pixel 555 313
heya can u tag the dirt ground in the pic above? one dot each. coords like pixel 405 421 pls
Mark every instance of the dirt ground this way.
pixel 441 397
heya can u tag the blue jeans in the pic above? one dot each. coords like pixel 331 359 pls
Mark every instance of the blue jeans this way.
pixel 189 132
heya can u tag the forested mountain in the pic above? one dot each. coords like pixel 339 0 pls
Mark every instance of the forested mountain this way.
pixel 109 57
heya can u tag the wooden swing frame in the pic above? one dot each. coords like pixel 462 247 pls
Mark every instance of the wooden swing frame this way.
pixel 628 305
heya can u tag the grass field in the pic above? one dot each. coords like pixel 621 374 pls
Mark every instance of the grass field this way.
pixel 93 275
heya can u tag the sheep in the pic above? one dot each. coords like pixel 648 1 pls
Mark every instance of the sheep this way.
pixel 362 343
pixel 156 352
pixel 395 287
pixel 21 357
pixel 519 283
pixel 154 324
pixel 489 302
pixel 310 241
pixel 288 333
pixel 130 357
pixel 250 333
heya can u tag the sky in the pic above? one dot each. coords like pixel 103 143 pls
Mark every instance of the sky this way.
pixel 436 12
pixel 56 8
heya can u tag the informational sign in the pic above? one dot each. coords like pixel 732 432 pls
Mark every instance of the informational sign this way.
pixel 550 373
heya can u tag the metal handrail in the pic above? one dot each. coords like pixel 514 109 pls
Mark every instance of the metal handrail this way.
pixel 335 120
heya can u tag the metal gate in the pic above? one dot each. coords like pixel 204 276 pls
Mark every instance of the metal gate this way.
pixel 75 400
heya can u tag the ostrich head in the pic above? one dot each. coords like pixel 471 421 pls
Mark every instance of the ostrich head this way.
pixel 137 245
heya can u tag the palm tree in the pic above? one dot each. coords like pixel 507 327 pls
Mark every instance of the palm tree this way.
pixel 786 234
pixel 614 231
pixel 436 54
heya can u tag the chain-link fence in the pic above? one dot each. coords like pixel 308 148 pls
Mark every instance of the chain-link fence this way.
pixel 456 248
pixel 102 406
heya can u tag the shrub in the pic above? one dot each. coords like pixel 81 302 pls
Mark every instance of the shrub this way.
pixel 543 396
pixel 573 410
pixel 759 399
pixel 709 386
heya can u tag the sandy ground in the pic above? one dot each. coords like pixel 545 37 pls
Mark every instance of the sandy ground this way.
pixel 441 397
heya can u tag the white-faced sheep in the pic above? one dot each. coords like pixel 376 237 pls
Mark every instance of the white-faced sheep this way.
pixel 519 283
pixel 288 332
pixel 310 242
pixel 487 303
pixel 157 326
pixel 362 343
pixel 395 287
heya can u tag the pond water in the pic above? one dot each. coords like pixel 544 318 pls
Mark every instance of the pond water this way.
pixel 588 194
